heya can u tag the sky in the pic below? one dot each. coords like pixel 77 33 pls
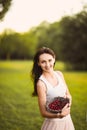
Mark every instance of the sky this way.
pixel 25 14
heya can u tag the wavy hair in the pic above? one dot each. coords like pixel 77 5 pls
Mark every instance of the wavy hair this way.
pixel 36 69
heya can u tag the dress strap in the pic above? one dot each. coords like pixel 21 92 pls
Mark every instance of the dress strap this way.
pixel 58 75
pixel 47 84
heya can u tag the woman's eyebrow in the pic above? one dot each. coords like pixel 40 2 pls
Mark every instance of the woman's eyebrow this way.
pixel 43 60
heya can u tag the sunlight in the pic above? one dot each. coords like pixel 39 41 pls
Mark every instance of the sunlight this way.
pixel 25 14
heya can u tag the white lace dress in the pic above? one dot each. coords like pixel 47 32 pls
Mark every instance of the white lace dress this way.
pixel 64 123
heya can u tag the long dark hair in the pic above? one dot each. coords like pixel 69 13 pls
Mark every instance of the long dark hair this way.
pixel 36 70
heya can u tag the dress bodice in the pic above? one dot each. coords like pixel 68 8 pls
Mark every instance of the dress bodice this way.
pixel 54 91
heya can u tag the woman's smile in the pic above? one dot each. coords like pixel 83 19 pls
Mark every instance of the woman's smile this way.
pixel 46 62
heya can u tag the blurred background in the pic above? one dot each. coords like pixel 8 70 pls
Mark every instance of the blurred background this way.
pixel 25 26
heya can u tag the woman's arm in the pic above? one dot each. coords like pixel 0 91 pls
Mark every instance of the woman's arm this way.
pixel 41 90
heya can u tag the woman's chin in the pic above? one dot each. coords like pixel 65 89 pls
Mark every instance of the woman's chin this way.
pixel 49 70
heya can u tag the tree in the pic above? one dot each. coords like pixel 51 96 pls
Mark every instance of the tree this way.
pixel 42 34
pixel 4 7
pixel 74 40
pixel 17 46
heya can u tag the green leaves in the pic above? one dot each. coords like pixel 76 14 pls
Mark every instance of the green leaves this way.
pixel 4 7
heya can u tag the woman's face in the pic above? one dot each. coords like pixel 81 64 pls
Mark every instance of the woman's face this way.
pixel 46 62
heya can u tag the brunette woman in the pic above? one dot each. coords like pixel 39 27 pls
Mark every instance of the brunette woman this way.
pixel 48 84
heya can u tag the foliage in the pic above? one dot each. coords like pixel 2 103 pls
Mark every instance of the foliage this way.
pixel 48 36
pixel 12 46
pixel 20 111
pixel 4 7
pixel 67 37
pixel 30 40
pixel 17 46
pixel 74 40
pixel 42 34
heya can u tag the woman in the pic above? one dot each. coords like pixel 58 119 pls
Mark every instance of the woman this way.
pixel 49 84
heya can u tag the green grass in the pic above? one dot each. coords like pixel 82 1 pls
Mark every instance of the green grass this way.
pixel 20 111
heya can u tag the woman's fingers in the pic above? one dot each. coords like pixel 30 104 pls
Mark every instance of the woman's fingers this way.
pixel 65 110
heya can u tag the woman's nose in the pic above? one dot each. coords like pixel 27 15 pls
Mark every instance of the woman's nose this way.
pixel 47 64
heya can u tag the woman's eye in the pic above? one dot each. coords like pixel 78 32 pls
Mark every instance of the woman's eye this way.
pixel 43 62
pixel 50 60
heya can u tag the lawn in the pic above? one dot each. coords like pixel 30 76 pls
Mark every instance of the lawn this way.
pixel 19 110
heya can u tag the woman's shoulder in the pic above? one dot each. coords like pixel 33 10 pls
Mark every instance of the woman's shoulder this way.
pixel 59 72
pixel 41 88
pixel 61 75
pixel 41 83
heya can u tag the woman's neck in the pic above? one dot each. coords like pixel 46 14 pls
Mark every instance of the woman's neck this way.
pixel 46 74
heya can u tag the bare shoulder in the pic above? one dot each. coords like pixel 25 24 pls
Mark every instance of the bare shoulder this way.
pixel 41 88
pixel 60 73
pixel 40 83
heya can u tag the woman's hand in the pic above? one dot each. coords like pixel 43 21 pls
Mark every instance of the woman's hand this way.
pixel 70 99
pixel 65 110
